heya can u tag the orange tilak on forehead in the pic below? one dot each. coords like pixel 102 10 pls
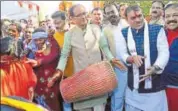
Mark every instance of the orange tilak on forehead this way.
pixel 136 14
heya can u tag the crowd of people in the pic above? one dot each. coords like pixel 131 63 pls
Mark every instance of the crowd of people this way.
pixel 142 50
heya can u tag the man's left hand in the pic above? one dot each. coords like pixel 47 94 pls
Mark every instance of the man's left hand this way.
pixel 150 71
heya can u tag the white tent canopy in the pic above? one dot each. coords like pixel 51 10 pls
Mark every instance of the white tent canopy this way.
pixel 12 10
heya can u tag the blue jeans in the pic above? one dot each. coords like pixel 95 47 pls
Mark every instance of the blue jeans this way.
pixel 118 95
pixel 131 108
pixel 67 106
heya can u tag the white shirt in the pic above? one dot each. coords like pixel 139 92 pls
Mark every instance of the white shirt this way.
pixel 123 23
pixel 117 35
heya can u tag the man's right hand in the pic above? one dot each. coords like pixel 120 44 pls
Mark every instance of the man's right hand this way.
pixel 137 60
pixel 119 64
pixel 55 77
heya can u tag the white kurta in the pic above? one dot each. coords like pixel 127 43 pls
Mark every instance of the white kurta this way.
pixel 110 32
pixel 147 101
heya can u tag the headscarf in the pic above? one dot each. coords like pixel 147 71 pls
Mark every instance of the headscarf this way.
pixel 37 35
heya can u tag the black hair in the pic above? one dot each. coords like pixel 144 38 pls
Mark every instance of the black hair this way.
pixel 19 28
pixel 71 10
pixel 6 45
pixel 39 30
pixel 10 46
pixel 60 14
pixel 171 5
pixel 122 5
pixel 96 9
pixel 109 4
pixel 131 8
pixel 158 2
pixel 25 21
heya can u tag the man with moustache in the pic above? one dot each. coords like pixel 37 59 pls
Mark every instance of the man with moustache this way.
pixel 115 26
pixel 144 48
pixel 83 41
pixel 171 70
pixel 157 13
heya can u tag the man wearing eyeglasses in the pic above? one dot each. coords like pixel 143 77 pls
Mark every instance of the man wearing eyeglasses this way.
pixel 83 40
pixel 157 13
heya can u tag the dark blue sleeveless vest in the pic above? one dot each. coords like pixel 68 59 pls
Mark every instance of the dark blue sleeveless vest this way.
pixel 171 70
pixel 139 42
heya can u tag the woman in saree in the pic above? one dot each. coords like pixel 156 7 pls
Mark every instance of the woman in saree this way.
pixel 17 77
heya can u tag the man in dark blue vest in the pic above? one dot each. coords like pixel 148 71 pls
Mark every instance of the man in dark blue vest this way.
pixel 144 48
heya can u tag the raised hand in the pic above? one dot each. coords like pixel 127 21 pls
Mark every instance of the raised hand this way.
pixel 137 60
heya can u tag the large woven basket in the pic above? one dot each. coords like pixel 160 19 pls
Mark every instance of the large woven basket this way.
pixel 95 80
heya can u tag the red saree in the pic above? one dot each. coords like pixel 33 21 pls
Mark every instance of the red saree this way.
pixel 16 77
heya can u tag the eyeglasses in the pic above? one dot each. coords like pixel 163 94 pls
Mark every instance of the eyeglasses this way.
pixel 81 14
pixel 157 8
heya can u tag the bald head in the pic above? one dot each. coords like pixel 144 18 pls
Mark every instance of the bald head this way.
pixel 71 10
